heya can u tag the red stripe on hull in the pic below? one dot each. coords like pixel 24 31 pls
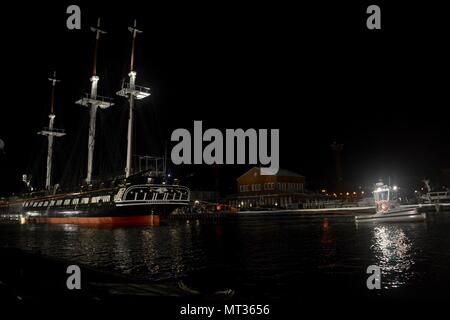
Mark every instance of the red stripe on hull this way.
pixel 149 220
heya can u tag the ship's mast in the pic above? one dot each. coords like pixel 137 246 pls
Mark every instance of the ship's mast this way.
pixel 93 101
pixel 132 92
pixel 51 132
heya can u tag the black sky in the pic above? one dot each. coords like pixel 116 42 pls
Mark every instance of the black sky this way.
pixel 313 71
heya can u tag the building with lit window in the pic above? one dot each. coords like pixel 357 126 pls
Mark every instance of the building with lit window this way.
pixel 281 190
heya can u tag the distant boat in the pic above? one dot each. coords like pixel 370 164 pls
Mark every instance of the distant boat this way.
pixel 436 197
pixel 388 209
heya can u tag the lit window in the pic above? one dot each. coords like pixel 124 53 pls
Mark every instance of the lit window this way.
pixel 66 202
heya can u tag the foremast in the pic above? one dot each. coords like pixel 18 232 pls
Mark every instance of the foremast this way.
pixel 93 101
pixel 50 132
pixel 132 92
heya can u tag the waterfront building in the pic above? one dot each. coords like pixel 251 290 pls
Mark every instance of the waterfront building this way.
pixel 284 189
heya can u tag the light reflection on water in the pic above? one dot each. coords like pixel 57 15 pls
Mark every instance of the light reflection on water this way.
pixel 394 253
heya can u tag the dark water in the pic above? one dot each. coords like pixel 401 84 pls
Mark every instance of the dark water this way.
pixel 259 255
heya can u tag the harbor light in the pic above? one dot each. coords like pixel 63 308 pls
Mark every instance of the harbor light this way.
pixel 395 188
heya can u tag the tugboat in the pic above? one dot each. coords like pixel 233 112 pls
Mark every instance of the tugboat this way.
pixel 133 198
pixel 388 208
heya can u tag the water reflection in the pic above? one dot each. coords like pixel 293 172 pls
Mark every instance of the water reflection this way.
pixel 256 255
pixel 327 243
pixel 394 253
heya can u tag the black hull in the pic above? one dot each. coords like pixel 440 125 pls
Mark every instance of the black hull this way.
pixel 104 210
pixel 138 204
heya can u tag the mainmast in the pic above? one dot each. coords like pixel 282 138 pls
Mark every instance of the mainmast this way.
pixel 132 91
pixel 51 132
pixel 93 101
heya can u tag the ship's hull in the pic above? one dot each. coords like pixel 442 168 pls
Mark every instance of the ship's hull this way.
pixel 105 214
pixel 402 215
pixel 134 205
pixel 146 220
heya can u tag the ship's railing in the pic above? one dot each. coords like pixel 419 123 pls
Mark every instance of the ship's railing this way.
pixel 100 101
pixel 138 91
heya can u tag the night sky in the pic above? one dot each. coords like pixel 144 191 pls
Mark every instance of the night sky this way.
pixel 313 71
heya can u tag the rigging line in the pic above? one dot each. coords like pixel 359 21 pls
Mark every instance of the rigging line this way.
pixel 111 136
pixel 35 161
pixel 157 119
pixel 69 172
pixel 147 131
pixel 108 140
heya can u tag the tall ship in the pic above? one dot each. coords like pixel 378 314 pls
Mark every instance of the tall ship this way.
pixel 136 197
